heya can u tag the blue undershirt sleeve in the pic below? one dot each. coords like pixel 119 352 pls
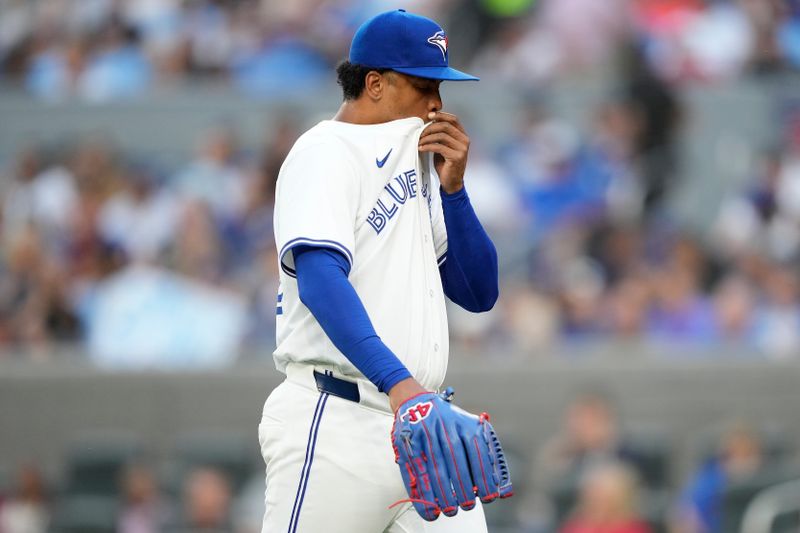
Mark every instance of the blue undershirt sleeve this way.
pixel 324 288
pixel 469 272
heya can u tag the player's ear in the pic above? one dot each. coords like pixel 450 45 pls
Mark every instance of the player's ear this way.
pixel 374 85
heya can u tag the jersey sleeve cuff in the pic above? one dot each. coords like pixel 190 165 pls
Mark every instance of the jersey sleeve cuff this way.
pixel 287 259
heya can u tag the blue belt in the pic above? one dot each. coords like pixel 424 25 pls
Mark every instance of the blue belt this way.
pixel 337 387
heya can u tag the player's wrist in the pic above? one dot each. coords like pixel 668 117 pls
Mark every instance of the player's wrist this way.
pixel 403 390
pixel 455 196
pixel 453 188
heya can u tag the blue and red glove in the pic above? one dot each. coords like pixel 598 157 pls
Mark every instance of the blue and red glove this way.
pixel 447 456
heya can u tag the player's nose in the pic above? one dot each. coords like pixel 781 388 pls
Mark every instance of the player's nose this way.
pixel 435 102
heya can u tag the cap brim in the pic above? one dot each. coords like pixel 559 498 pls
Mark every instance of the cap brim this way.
pixel 437 73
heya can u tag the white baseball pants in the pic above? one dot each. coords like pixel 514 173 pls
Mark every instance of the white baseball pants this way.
pixel 330 465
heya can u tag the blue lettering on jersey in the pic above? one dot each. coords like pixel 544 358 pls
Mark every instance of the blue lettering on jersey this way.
pixel 396 195
pixel 376 220
pixel 399 197
pixel 388 211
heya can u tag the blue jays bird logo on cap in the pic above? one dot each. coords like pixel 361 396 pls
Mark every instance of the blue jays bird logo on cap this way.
pixel 439 39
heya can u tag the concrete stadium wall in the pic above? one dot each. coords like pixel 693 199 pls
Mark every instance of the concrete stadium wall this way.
pixel 44 407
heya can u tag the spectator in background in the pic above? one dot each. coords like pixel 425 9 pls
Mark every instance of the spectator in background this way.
pixel 764 218
pixel 770 35
pixel 89 259
pixel 519 52
pixel 159 23
pixel 95 163
pixel 681 312
pixel 142 217
pixel 142 509
pixel 197 251
pixel 734 301
pixel 655 113
pixel 581 287
pixel 613 144
pixel 33 302
pixel 738 458
pixel 529 317
pixel 557 181
pixel 607 502
pixel 57 64
pixel 590 434
pixel 285 59
pixel 626 308
pixel 118 68
pixel 777 320
pixel 215 177
pixel 208 30
pixel 206 503
pixel 586 32
pixel 27 510
pixel 695 39
pixel 37 194
pixel 788 31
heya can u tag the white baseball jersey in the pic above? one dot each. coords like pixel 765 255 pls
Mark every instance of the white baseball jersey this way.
pixel 364 191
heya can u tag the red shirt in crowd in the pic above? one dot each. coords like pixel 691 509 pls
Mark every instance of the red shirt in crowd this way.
pixel 577 526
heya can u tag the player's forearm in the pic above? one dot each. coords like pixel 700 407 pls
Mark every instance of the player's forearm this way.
pixel 324 288
pixel 470 273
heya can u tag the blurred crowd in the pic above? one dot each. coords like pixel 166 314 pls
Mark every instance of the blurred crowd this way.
pixel 597 475
pixel 594 474
pixel 101 50
pixel 76 219
pixel 132 495
pixel 101 245
pixel 609 258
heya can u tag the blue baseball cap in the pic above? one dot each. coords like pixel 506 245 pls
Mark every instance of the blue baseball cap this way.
pixel 407 43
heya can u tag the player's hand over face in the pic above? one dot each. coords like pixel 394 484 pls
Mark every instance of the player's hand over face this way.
pixel 449 143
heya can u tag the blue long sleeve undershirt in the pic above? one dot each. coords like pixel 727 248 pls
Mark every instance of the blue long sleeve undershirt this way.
pixel 469 273
pixel 469 278
pixel 324 288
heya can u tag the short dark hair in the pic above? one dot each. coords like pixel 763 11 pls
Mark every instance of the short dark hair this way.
pixel 352 78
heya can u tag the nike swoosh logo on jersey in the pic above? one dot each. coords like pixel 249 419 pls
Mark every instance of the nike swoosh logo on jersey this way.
pixel 383 161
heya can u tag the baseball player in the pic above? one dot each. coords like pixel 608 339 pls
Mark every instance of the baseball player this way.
pixel 374 228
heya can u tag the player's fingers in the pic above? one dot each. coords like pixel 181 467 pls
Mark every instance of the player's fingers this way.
pixel 445 151
pixel 481 467
pixel 458 465
pixel 446 139
pixel 437 468
pixel 444 127
pixel 415 476
pixel 444 116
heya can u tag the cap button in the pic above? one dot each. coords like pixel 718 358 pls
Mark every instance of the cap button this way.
pixel 402 10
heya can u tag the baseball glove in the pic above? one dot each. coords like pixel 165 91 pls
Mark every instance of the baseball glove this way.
pixel 447 456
